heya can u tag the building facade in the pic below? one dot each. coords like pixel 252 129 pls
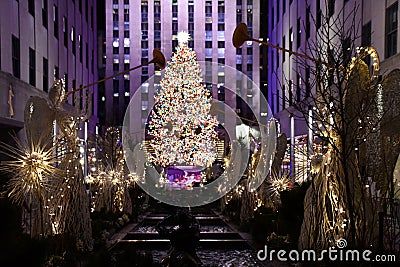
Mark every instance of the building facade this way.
pixel 135 27
pixel 39 42
pixel 294 25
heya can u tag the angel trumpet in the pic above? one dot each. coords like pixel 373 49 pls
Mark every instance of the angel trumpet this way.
pixel 158 59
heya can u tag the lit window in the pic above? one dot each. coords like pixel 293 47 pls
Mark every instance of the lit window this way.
pixel 116 42
pixel 145 53
pixel 126 59
pixel 208 35
pixel 221 18
pixel 221 36
pixel 238 59
pixel 221 70
pixel 221 52
pixel 249 59
pixel 145 104
pixel 72 33
pixel 157 35
pixel 145 88
pixel 116 61
pixel 208 52
pixel 126 42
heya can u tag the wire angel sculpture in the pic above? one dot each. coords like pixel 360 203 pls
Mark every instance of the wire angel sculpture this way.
pixel 53 161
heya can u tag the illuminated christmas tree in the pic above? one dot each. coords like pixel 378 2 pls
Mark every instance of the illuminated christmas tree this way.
pixel 180 129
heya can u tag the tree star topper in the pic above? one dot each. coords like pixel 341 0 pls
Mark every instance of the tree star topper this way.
pixel 183 37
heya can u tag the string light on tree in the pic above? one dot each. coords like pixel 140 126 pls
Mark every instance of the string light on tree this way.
pixel 180 129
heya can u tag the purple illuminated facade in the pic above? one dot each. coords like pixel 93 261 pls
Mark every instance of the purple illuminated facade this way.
pixel 40 41
pixel 135 27
pixel 292 24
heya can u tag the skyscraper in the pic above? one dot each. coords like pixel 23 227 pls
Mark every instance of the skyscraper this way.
pixel 297 26
pixel 41 41
pixel 134 28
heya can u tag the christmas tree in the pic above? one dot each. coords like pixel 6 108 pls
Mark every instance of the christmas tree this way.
pixel 180 129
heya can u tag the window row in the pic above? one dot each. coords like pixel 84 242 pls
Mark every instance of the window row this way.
pixel 45 12
pixel 16 62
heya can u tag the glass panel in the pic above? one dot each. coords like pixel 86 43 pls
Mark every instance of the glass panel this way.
pixel 208 35
pixel 208 52
pixel 221 36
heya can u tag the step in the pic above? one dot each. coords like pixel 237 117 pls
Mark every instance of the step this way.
pixel 203 235
pixel 151 228
pixel 202 220
pixel 194 214
pixel 197 216
pixel 156 244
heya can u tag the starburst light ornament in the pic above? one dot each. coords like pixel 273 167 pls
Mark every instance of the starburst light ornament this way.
pixel 31 167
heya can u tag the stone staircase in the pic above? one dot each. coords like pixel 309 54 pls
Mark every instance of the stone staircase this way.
pixel 214 233
pixel 220 243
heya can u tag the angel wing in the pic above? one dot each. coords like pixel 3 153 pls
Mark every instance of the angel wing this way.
pixel 38 119
pixel 280 153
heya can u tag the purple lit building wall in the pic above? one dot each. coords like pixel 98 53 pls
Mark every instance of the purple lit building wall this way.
pixel 135 27
pixel 294 23
pixel 43 40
